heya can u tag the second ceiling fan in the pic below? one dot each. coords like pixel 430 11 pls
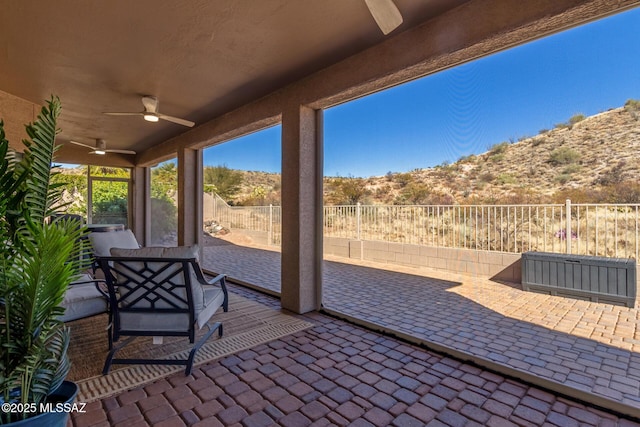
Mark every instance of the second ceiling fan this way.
pixel 101 148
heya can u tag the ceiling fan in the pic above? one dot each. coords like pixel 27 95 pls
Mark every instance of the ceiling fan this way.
pixel 151 113
pixel 101 148
pixel 386 14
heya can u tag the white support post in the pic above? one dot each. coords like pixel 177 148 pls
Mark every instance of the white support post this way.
pixel 568 225
pixel 270 234
pixel 358 220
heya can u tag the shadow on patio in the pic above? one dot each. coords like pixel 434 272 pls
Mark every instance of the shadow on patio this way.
pixel 586 350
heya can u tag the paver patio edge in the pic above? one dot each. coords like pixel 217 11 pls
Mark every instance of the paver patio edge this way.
pixel 549 385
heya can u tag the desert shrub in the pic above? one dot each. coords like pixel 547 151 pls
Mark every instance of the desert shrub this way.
pixel 112 210
pixel 563 156
pixel 347 191
pixel 164 180
pixel 384 194
pixel 536 141
pixel 257 197
pixel 505 178
pixel 576 119
pixel 445 171
pixel 622 192
pixel 486 177
pixel 576 195
pixel 523 196
pixel 563 178
pixel 74 190
pixel 403 178
pixel 416 193
pixel 471 158
pixel 498 148
pixel 632 105
pixel 165 217
pixel 224 181
pixel 497 158
pixel 561 126
pixel 441 199
pixel 611 176
pixel 382 191
pixel 572 168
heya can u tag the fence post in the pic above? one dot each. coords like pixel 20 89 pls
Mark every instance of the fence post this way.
pixel 270 232
pixel 567 234
pixel 215 207
pixel 358 221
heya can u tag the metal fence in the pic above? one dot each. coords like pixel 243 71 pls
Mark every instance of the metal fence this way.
pixel 610 230
pixel 265 219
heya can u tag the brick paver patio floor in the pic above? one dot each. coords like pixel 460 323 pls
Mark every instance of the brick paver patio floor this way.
pixel 339 374
pixel 587 350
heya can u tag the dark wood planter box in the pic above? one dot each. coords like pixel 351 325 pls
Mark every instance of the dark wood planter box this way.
pixel 598 279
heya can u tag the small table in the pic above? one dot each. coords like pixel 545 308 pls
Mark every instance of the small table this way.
pixel 103 228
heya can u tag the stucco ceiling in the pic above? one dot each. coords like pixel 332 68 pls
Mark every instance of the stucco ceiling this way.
pixel 201 58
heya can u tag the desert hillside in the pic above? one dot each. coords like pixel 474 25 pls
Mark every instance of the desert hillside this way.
pixel 588 159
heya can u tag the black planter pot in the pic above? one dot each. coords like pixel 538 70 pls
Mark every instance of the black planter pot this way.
pixel 60 402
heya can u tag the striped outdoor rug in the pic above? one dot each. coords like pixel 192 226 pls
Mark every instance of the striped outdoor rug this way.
pixel 246 325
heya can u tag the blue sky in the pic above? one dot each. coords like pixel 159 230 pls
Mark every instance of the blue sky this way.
pixel 467 109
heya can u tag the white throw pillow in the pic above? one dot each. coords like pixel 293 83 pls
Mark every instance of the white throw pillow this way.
pixel 104 241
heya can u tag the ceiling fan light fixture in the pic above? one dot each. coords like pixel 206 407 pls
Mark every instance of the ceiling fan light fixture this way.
pixel 151 117
pixel 99 152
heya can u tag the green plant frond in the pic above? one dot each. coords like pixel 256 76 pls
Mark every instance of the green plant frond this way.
pixel 28 376
pixel 59 362
pixel 39 367
pixel 38 158
pixel 45 272
pixel 10 180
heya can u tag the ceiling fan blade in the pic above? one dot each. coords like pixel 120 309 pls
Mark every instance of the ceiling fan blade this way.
pixel 386 14
pixel 82 144
pixel 115 113
pixel 120 151
pixel 177 120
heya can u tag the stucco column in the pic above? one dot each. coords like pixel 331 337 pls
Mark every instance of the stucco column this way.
pixel 189 197
pixel 140 203
pixel 301 281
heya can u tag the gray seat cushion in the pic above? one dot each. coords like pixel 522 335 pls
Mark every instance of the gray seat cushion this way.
pixel 82 300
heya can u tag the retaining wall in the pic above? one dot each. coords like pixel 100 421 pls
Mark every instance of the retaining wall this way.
pixel 497 265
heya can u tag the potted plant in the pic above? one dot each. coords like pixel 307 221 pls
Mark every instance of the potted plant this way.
pixel 38 260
